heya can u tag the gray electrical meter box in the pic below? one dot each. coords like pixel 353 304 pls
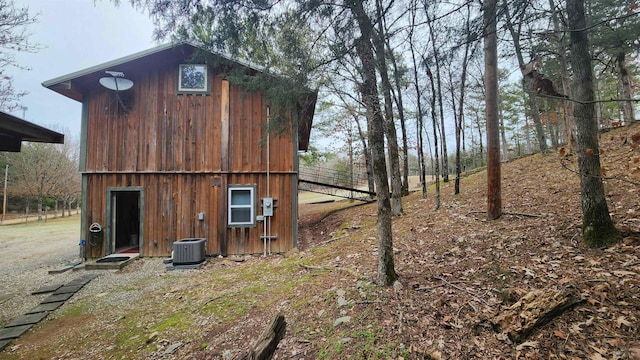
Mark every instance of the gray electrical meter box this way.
pixel 267 206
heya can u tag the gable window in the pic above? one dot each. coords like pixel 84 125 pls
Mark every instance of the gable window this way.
pixel 242 206
pixel 192 78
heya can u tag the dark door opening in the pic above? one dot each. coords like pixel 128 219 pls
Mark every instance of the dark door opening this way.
pixel 125 221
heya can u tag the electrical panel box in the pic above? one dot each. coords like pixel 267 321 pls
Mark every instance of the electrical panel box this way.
pixel 267 206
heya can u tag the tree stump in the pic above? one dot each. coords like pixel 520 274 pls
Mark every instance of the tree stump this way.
pixel 266 344
pixel 534 310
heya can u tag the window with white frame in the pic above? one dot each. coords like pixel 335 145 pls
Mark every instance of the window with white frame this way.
pixel 242 206
pixel 192 78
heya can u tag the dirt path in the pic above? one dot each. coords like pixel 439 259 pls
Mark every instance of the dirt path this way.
pixel 29 251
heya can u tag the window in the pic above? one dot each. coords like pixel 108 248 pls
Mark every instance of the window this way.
pixel 192 78
pixel 242 206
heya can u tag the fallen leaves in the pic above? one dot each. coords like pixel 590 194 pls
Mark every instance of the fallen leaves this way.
pixel 622 321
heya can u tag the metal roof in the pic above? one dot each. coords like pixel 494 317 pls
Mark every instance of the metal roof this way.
pixel 76 84
pixel 13 131
pixel 140 55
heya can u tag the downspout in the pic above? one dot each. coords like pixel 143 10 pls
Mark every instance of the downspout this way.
pixel 268 174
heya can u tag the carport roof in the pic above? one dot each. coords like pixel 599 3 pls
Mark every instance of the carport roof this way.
pixel 13 131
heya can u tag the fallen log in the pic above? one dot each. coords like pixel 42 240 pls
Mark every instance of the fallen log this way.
pixel 266 344
pixel 533 311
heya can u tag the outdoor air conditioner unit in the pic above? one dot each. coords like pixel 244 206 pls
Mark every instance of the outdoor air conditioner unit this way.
pixel 189 251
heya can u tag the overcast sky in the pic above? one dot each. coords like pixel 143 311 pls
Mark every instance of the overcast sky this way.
pixel 74 35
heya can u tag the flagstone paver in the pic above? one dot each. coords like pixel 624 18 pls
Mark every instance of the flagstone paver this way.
pixel 4 343
pixel 61 293
pixel 57 298
pixel 28 319
pixel 45 307
pixel 46 289
pixel 13 332
pixel 67 289
pixel 82 280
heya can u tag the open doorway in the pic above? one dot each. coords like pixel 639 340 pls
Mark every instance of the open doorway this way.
pixel 125 220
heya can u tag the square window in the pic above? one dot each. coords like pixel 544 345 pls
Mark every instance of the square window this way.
pixel 192 78
pixel 242 206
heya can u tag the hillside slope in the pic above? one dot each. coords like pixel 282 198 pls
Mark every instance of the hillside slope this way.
pixel 457 272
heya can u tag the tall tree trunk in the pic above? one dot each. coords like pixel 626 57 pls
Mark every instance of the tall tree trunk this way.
pixel 445 155
pixel 527 134
pixel 367 156
pixel 597 227
pixel 479 127
pixel 531 96
pixel 420 114
pixel 535 115
pixel 458 130
pixel 503 135
pixel 403 126
pixel 386 270
pixel 456 122
pixel 625 89
pixel 551 127
pixel 389 124
pixel 569 124
pixel 494 196
pixel 459 121
pixel 40 207
pixel 434 118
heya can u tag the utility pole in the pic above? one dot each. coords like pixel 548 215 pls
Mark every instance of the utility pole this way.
pixel 4 201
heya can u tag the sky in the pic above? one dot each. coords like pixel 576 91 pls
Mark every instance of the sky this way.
pixel 74 35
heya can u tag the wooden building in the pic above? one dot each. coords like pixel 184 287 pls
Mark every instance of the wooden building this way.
pixel 171 149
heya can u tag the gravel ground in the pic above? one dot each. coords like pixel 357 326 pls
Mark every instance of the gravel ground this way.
pixel 30 251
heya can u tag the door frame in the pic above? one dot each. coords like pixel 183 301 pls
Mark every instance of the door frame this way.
pixel 109 231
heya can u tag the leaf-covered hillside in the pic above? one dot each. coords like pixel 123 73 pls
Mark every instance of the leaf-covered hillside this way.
pixel 459 273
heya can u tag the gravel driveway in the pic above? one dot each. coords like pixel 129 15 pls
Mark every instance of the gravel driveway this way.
pixel 28 252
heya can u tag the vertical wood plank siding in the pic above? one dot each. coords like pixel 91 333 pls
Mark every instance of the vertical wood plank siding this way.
pixel 171 145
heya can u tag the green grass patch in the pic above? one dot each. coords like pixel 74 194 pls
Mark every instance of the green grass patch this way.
pixel 77 309
pixel 177 321
pixel 130 336
pixel 226 309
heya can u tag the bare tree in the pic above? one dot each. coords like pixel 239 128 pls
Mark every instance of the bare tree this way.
pixel 434 121
pixel 516 30
pixel 419 110
pixel 469 50
pixel 38 171
pixel 68 187
pixel 438 95
pixel 398 77
pixel 569 125
pixel 389 124
pixel 14 38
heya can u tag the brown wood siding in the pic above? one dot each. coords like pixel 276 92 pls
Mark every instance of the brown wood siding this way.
pixel 165 131
pixel 170 145
pixel 172 203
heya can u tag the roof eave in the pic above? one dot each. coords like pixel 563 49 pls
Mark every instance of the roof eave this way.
pixel 109 64
pixel 64 84
pixel 13 131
